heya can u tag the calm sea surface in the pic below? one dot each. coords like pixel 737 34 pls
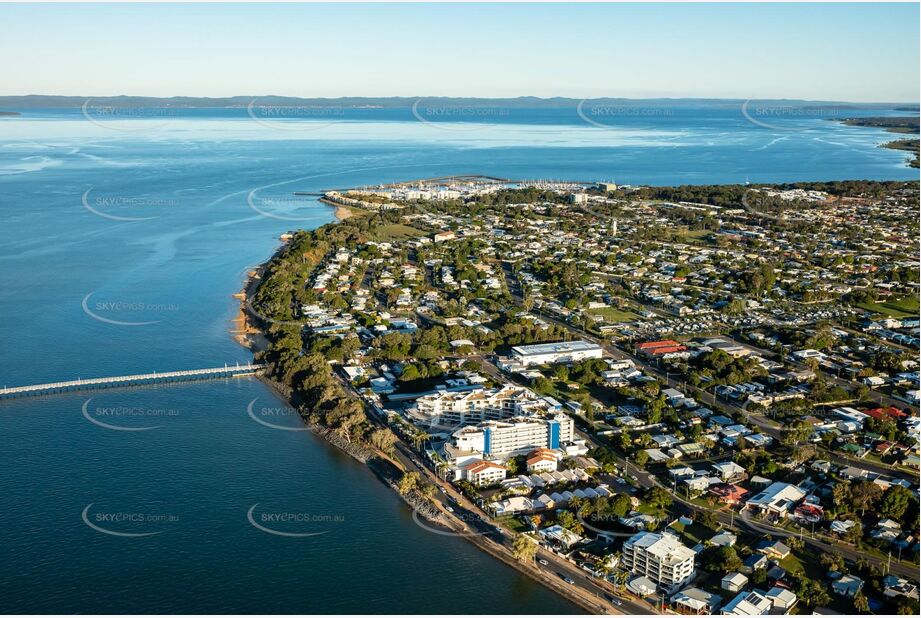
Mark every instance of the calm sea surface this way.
pixel 123 238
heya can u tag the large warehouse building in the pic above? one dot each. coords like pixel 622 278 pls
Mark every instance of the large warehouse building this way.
pixel 559 352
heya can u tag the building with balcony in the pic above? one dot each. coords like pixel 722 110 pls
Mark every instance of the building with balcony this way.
pixel 447 409
pixel 660 557
pixel 515 436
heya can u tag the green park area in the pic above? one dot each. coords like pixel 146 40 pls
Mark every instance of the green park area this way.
pixel 612 314
pixel 905 307
pixel 395 231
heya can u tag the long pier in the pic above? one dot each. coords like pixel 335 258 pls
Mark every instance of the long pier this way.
pixel 133 380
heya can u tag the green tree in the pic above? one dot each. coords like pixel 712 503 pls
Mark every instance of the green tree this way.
pixel 407 483
pixel 720 559
pixel 658 498
pixel 864 495
pixel 641 458
pixel 895 502
pixel 861 606
pixel 524 549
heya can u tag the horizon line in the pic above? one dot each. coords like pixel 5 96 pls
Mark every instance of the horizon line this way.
pixel 456 97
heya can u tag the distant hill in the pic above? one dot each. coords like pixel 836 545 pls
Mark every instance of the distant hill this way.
pixel 123 101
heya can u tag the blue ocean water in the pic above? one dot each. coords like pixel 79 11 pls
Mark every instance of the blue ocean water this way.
pixel 123 239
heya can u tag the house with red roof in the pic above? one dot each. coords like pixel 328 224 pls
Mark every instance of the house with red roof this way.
pixel 657 349
pixel 727 493
pixel 809 513
pixel 483 472
pixel 888 412
pixel 542 460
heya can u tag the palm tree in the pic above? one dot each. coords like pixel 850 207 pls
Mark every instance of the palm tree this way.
pixel 419 438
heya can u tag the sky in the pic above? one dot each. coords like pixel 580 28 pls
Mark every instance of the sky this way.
pixel 836 52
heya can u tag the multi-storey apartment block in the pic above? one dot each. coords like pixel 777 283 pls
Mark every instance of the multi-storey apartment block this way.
pixel 660 557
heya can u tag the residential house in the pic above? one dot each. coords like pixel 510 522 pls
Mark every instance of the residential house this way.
pixel 733 582
pixel 542 460
pixel 747 604
pixel 782 600
pixel 696 602
pixel 773 549
pixel 847 585
pixel 777 500
pixel 727 493
pixel 729 470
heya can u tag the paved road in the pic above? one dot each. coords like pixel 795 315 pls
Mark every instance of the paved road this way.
pixel 646 480
pixel 483 532
pixel 763 423
pixel 881 398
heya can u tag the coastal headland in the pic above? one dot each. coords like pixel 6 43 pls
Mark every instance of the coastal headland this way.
pixel 527 362
pixel 396 460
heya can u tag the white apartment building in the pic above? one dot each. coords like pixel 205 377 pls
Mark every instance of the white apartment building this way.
pixel 451 409
pixel 660 557
pixel 515 436
pixel 559 352
pixel 482 473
